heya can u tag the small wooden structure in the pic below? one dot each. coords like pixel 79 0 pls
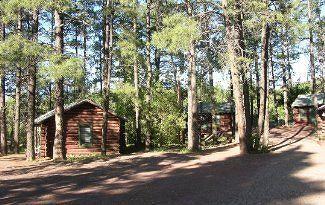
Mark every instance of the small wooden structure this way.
pixel 321 122
pixel 225 117
pixel 82 130
pixel 303 108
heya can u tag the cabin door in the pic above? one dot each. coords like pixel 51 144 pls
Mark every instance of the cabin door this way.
pixel 49 141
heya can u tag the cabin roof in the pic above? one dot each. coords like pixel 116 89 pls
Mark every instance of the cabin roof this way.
pixel 68 107
pixel 222 108
pixel 321 108
pixel 307 101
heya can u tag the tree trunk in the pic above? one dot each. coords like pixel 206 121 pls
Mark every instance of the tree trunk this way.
pixel 311 53
pixel 264 79
pixel 30 153
pixel 285 83
pixel 178 91
pixel 157 51
pixel 107 57
pixel 58 147
pixel 273 87
pixel 17 111
pixel 3 123
pixel 192 121
pixel 17 97
pixel 257 73
pixel 235 46
pixel 148 142
pixel 136 87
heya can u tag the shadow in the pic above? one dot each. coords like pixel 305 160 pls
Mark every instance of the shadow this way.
pixel 170 178
pixel 288 138
pixel 302 132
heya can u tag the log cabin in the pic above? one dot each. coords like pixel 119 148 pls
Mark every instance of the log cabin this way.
pixel 303 108
pixel 321 122
pixel 82 130
pixel 225 118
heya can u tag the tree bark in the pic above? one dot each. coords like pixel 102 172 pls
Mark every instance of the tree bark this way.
pixel 58 147
pixel 273 87
pixel 235 46
pixel 264 79
pixel 30 153
pixel 148 141
pixel 17 111
pixel 192 121
pixel 285 83
pixel 3 123
pixel 257 74
pixel 136 88
pixel 311 53
pixel 17 97
pixel 107 67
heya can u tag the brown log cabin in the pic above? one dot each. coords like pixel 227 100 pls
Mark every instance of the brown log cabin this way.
pixel 82 130
pixel 225 117
pixel 303 108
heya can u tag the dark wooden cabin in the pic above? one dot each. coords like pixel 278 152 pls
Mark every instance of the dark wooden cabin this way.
pixel 83 130
pixel 225 116
pixel 303 108
pixel 321 122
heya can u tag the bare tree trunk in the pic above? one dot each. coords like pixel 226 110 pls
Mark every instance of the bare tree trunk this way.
pixel 108 43
pixel 3 127
pixel 158 22
pixel 257 73
pixel 311 53
pixel 192 122
pixel 30 152
pixel 285 83
pixel 264 79
pixel 265 139
pixel 235 47
pixel 83 89
pixel 148 141
pixel 3 123
pixel 17 97
pixel 136 87
pixel 178 90
pixel 17 111
pixel 58 147
pixel 273 86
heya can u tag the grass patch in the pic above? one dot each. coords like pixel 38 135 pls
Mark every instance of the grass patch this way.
pixel 86 158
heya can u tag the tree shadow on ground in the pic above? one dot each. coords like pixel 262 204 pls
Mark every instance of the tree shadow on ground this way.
pixel 171 178
pixel 302 132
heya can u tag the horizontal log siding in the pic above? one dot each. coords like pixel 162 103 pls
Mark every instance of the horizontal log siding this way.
pixel 321 125
pixel 83 114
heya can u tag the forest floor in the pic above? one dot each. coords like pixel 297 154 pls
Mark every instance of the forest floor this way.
pixel 293 173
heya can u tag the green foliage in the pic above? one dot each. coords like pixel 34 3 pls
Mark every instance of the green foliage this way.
pixel 58 66
pixel 17 51
pixel 168 119
pixel 178 32
pixel 10 8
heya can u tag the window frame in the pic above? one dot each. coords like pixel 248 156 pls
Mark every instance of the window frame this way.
pixel 90 125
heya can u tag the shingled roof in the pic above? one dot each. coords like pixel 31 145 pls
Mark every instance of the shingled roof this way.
pixel 307 100
pixel 51 113
pixel 222 108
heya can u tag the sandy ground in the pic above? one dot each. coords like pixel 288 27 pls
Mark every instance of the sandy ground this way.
pixel 293 173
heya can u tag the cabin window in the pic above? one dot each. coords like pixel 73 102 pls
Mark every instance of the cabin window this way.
pixel 303 114
pixel 85 134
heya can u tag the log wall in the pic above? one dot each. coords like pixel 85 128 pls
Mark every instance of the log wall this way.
pixel 321 124
pixel 83 114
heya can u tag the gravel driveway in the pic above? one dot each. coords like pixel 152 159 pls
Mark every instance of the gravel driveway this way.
pixel 293 173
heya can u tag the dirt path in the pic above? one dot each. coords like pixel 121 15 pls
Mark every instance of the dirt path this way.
pixel 294 173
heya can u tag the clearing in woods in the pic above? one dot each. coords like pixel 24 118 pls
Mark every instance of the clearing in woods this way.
pixel 294 173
